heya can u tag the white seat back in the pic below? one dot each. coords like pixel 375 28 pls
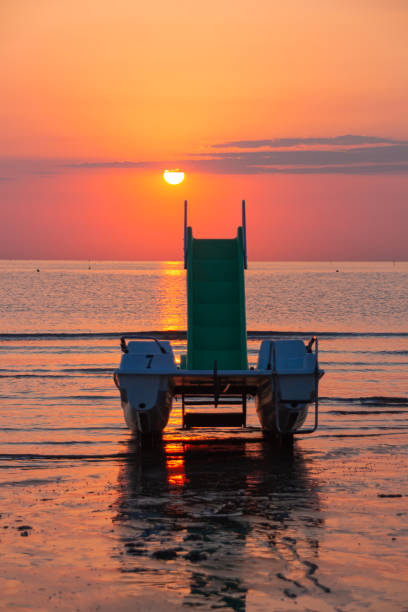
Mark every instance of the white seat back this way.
pixel 289 355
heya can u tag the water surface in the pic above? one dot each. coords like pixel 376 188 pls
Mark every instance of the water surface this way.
pixel 207 519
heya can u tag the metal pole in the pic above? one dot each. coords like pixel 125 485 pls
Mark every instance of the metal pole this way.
pixel 276 393
pixel 316 386
pixel 185 234
pixel 244 408
pixel 244 235
pixel 182 411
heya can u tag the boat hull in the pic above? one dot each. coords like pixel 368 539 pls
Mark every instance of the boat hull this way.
pixel 148 379
pixel 279 414
pixel 146 402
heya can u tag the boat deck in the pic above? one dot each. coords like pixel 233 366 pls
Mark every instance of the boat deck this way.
pixel 227 382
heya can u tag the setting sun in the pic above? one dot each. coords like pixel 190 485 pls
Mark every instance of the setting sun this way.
pixel 173 177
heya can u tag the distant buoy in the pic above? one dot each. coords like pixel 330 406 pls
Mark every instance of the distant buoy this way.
pixel 38 269
pixel 336 270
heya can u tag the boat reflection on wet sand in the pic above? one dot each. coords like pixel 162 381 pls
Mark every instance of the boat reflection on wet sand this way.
pixel 222 523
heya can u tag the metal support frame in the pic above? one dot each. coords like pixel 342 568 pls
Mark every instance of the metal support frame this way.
pixel 182 411
pixel 214 399
pixel 244 407
pixel 211 402
pixel 216 385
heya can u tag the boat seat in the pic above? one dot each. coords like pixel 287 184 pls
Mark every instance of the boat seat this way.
pixel 142 347
pixel 289 355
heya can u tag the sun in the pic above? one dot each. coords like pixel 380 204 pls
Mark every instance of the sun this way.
pixel 173 177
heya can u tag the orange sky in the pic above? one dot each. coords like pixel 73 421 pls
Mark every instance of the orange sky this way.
pixel 96 82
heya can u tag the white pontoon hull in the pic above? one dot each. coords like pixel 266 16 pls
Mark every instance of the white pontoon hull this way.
pixel 145 384
pixel 283 385
pixel 146 402
pixel 282 403
pixel 277 415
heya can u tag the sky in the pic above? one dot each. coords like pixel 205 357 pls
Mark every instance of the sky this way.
pixel 300 108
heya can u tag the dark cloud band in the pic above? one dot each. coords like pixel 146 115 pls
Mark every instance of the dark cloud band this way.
pixel 349 154
pixel 347 140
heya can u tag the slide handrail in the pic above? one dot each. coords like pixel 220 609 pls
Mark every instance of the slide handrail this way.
pixel 244 235
pixel 185 235
pixel 245 256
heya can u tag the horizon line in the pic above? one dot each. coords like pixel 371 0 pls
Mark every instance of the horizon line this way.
pixel 182 262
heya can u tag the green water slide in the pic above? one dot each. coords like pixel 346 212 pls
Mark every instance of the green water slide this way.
pixel 216 335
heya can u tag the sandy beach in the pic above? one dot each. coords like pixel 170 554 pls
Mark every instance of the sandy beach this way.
pixel 225 524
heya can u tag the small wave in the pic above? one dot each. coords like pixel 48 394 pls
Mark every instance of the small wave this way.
pixel 358 435
pixel 35 371
pixel 112 428
pixel 89 370
pixel 68 373
pixel 57 442
pixel 35 376
pixel 391 352
pixel 182 335
pixel 366 351
pixel 365 412
pixel 169 335
pixel 30 482
pixel 369 365
pixel 253 335
pixel 62 457
pixel 81 397
pixel 375 400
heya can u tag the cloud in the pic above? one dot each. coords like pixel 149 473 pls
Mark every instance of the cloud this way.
pixel 349 154
pixel 109 164
pixel 233 167
pixel 14 168
pixel 380 154
pixel 348 140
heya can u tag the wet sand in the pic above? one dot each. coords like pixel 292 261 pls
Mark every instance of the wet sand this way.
pixel 225 523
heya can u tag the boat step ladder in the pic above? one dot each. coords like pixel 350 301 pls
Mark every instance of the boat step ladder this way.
pixel 215 418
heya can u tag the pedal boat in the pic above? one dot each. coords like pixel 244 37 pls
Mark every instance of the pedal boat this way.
pixel 214 373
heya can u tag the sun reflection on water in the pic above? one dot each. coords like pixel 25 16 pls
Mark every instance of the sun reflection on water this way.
pixel 175 464
pixel 172 305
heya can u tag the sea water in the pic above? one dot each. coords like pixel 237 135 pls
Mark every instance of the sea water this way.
pixel 215 519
